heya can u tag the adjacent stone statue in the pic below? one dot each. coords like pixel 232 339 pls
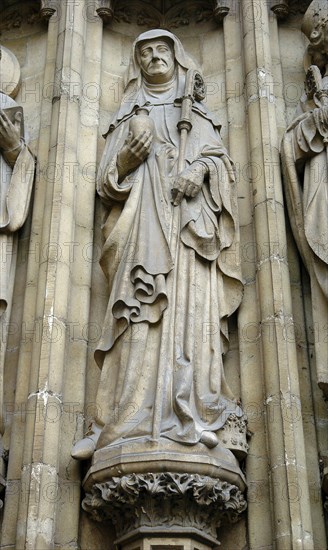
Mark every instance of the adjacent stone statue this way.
pixel 305 165
pixel 171 259
pixel 17 166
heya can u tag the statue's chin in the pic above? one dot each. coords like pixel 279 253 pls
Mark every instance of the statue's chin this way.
pixel 160 77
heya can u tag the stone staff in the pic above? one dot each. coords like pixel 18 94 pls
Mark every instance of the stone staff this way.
pixel 194 89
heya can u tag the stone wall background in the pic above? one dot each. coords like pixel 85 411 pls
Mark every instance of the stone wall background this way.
pixel 71 85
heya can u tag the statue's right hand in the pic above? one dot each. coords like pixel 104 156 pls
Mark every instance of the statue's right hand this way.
pixel 9 132
pixel 133 153
pixel 324 114
pixel 320 115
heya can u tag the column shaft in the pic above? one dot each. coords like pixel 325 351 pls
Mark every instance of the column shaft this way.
pixel 292 526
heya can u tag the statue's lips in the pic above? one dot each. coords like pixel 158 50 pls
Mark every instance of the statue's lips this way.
pixel 157 65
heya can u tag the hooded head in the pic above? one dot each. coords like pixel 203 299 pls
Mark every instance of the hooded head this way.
pixel 133 89
pixel 181 58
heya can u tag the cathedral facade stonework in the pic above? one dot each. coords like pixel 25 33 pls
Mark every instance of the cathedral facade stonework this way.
pixel 163 277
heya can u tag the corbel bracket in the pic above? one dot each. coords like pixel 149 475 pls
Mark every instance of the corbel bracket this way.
pixel 221 8
pixel 280 9
pixel 48 8
pixel 105 10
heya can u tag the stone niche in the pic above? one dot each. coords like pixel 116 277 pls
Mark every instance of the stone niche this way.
pixel 161 497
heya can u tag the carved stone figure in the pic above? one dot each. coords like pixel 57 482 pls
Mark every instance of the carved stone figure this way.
pixel 17 166
pixel 171 259
pixel 305 164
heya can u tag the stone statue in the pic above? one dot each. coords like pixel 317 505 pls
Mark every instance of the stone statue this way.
pixel 170 255
pixel 17 166
pixel 305 165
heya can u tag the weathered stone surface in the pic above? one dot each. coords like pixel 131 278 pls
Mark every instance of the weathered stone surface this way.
pixel 72 70
pixel 305 167
pixel 165 503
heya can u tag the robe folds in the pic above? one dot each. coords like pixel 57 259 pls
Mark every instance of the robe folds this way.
pixel 305 165
pixel 174 279
pixel 305 168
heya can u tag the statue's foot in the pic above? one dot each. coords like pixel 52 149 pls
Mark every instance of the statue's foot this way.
pixel 209 439
pixel 83 449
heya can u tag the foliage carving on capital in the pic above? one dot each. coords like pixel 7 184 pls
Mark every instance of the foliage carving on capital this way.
pixel 16 15
pixel 168 15
pixel 167 499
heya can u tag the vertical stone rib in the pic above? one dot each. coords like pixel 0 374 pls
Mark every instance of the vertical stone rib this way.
pixel 309 399
pixel 248 314
pixel 81 269
pixel 292 526
pixel 17 495
pixel 46 447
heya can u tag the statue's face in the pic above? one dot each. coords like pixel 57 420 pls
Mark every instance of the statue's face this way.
pixel 157 61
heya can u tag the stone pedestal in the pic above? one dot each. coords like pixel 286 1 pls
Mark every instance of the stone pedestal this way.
pixel 163 490
pixel 145 455
pixel 165 543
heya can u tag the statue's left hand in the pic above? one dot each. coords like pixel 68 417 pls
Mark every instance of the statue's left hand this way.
pixel 189 182
pixel 9 133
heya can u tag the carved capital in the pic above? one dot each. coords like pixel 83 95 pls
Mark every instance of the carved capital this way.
pixel 280 8
pixel 234 434
pixel 158 502
pixel 105 10
pixel 48 9
pixel 221 9
pixel 173 14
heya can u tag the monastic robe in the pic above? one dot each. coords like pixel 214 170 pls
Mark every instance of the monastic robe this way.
pixel 174 279
pixel 305 165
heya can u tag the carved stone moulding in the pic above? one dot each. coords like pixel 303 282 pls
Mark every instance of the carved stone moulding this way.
pixel 284 8
pixel 17 13
pixel 233 435
pixel 221 9
pixel 150 542
pixel 165 14
pixel 14 17
pixel 22 17
pixel 142 455
pixel 105 10
pixel 280 8
pixel 170 504
pixel 48 8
